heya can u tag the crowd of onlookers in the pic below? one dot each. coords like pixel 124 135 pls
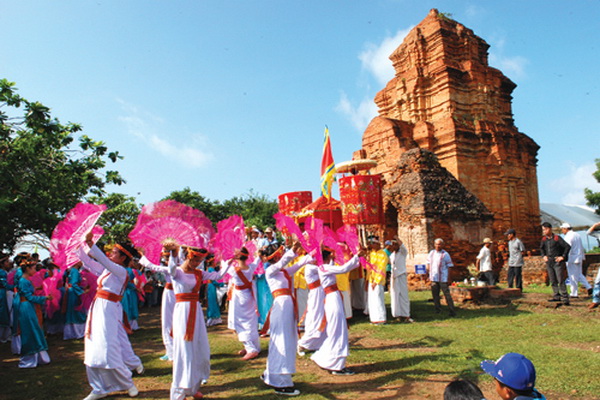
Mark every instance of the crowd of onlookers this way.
pixel 64 297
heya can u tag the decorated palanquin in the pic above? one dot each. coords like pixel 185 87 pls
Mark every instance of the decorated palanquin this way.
pixel 329 210
pixel 292 202
pixel 361 199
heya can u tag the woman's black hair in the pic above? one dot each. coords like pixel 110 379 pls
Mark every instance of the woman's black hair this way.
pixel 269 250
pixel 326 254
pixel 131 251
pixel 462 390
pixel 243 256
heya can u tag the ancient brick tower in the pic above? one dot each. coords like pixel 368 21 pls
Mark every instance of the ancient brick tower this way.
pixel 445 98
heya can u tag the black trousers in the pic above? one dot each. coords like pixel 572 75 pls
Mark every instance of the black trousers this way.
pixel 514 274
pixel 435 291
pixel 557 275
pixel 490 278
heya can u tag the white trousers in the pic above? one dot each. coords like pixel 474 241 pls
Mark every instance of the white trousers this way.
pixel 32 360
pixel 104 381
pixel 376 304
pixel 576 277
pixel 399 296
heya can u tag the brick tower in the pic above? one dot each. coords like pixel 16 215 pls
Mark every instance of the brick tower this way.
pixel 445 98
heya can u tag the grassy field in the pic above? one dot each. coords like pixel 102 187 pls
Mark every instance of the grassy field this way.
pixel 394 361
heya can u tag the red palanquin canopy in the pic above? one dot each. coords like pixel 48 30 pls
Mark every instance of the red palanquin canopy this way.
pixel 327 210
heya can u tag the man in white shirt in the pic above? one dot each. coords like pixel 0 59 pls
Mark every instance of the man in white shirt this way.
pixel 438 262
pixel 484 262
pixel 575 260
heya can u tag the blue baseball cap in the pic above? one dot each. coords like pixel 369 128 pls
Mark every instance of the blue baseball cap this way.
pixel 512 369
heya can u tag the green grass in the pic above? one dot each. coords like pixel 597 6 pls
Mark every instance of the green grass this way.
pixel 392 361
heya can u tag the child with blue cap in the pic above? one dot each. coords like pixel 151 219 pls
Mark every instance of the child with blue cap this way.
pixel 514 375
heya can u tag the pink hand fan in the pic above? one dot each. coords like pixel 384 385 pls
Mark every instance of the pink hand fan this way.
pixel 51 287
pixel 70 233
pixel 173 221
pixel 230 236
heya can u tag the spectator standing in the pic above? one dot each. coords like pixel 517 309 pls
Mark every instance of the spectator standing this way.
pixel 515 259
pixel 484 262
pixel 575 261
pixel 555 252
pixel 268 239
pixel 438 262
pixel 399 284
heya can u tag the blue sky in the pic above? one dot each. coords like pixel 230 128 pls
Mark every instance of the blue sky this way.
pixel 229 96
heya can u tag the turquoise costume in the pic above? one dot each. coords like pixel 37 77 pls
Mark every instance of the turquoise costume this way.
pixel 264 298
pixel 213 310
pixel 74 320
pixel 130 300
pixel 32 335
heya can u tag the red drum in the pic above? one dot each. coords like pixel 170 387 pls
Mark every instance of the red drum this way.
pixel 361 199
pixel 293 202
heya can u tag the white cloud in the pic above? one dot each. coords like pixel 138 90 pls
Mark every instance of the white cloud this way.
pixel 375 60
pixel 570 186
pixel 151 130
pixel 376 57
pixel 359 115
pixel 513 67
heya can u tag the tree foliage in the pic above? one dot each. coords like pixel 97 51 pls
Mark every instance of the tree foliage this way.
pixel 44 172
pixel 211 208
pixel 119 218
pixel 593 198
pixel 256 209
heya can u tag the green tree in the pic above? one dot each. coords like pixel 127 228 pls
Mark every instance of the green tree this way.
pixel 119 218
pixel 211 208
pixel 593 198
pixel 44 173
pixel 257 209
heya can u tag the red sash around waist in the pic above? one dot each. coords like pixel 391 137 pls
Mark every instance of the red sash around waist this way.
pixel 281 292
pixel 331 289
pixel 314 285
pixel 169 286
pixel 181 297
pixel 103 294
pixel 194 300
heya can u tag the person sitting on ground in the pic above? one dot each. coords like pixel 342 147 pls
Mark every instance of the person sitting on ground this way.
pixel 514 376
pixel 463 390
